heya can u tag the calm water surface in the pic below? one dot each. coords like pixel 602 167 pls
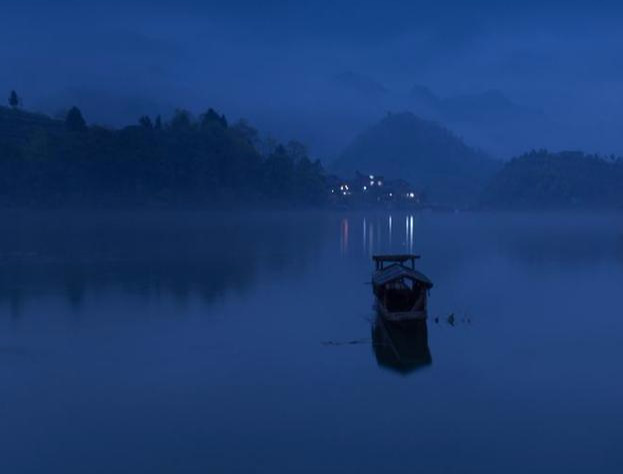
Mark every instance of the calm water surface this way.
pixel 195 343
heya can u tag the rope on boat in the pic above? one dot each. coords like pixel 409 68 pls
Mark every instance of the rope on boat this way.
pixel 346 343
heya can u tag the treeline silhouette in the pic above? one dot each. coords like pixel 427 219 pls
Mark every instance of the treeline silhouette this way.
pixel 572 179
pixel 184 161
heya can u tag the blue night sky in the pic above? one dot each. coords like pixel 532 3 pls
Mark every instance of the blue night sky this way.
pixel 273 62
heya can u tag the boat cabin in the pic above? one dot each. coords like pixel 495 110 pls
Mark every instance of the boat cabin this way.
pixel 400 290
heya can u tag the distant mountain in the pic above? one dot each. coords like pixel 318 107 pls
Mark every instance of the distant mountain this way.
pixel 424 97
pixel 468 106
pixel 488 118
pixel 541 180
pixel 422 152
pixel 359 83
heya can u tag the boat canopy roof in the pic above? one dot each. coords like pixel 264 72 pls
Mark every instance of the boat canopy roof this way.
pixel 397 272
pixel 381 260
pixel 397 258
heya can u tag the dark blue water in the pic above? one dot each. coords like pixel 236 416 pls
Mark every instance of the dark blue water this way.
pixel 161 343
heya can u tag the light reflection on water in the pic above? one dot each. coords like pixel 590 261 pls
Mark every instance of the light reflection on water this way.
pixel 401 349
pixel 377 234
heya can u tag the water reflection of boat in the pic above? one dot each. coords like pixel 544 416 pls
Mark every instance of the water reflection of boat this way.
pixel 403 348
pixel 401 291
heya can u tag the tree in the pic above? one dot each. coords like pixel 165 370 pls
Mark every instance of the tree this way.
pixel 14 100
pixel 182 120
pixel 296 150
pixel 158 123
pixel 267 146
pixel 145 121
pixel 74 122
pixel 246 131
pixel 278 174
pixel 212 117
pixel 309 183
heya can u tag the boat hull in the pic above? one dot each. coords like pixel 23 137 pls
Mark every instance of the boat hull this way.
pixel 401 316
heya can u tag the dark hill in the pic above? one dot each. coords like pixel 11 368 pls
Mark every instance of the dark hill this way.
pixel 540 180
pixel 17 126
pixel 423 152
pixel 185 161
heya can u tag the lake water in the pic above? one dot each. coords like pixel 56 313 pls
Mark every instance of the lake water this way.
pixel 196 343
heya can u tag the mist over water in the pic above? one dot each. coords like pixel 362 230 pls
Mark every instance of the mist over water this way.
pixel 191 197
pixel 205 342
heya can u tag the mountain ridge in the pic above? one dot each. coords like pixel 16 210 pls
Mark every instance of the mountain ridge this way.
pixel 423 152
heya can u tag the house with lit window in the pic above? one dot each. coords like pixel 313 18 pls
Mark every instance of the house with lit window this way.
pixel 372 190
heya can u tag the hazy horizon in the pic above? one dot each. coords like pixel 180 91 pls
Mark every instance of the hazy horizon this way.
pixel 278 64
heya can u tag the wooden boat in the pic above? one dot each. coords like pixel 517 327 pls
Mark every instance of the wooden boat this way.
pixel 401 291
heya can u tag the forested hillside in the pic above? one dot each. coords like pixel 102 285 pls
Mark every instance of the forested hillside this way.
pixel 184 161
pixel 541 179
